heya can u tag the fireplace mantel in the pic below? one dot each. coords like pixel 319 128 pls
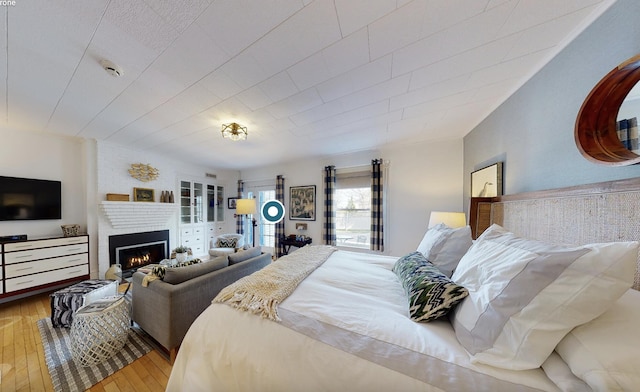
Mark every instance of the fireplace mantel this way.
pixel 124 214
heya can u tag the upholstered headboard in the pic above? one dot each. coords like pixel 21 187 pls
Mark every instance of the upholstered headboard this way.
pixel 602 212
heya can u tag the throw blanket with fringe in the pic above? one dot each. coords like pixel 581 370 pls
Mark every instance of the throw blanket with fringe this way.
pixel 262 291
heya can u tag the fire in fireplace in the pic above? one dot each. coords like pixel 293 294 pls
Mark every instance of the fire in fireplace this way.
pixel 135 250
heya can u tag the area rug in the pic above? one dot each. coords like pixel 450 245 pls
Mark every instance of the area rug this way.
pixel 67 375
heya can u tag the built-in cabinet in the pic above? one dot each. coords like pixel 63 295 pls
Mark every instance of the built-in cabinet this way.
pixel 37 264
pixel 201 209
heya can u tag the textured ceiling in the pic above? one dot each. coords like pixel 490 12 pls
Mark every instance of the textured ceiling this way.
pixel 308 78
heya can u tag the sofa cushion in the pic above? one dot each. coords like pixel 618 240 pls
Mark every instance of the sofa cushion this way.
pixel 179 275
pixel 243 255
pixel 221 251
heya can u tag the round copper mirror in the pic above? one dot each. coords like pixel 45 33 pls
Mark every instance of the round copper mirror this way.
pixel 596 126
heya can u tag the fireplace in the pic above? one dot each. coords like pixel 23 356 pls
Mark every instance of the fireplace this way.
pixel 135 250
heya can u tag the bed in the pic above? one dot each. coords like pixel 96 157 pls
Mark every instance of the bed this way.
pixel 346 327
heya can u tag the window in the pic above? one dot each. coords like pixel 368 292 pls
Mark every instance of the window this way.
pixel 352 204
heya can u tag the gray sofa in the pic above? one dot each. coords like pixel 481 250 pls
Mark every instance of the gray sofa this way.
pixel 165 309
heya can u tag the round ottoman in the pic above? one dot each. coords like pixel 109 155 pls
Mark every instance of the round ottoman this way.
pixel 99 330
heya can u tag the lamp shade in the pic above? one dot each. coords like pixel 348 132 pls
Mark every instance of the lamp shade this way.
pixel 451 219
pixel 245 206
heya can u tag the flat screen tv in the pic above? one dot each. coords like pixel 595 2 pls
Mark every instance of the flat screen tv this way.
pixel 29 199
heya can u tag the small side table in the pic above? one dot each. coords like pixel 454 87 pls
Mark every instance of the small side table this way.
pixel 99 330
pixel 65 302
pixel 286 244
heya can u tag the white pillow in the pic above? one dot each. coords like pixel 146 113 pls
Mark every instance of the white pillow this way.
pixel 444 246
pixel 525 295
pixel 604 352
pixel 559 372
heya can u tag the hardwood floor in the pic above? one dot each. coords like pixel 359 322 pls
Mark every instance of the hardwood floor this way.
pixel 23 367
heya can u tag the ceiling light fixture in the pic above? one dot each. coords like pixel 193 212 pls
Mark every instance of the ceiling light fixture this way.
pixel 234 131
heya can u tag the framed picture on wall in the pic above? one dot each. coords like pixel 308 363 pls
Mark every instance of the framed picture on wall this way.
pixel 231 203
pixel 487 182
pixel 302 202
pixel 143 194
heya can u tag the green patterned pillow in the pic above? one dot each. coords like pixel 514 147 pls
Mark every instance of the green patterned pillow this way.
pixel 431 294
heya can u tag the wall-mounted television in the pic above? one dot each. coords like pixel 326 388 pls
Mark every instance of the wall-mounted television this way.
pixel 29 199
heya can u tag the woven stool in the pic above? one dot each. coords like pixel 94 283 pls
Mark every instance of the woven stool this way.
pixel 99 331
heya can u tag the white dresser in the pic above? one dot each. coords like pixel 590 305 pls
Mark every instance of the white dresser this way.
pixel 36 264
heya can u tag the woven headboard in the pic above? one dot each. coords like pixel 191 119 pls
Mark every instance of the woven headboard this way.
pixel 602 212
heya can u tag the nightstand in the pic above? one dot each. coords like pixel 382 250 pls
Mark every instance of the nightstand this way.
pixel 287 243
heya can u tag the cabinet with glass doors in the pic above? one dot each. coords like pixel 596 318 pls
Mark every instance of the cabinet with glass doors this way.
pixel 201 209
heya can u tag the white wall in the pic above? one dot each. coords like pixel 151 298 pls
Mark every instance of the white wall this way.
pixel 112 164
pixel 421 178
pixel 533 131
pixel 49 157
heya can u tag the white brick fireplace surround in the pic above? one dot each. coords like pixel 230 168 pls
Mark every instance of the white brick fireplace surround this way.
pixel 115 218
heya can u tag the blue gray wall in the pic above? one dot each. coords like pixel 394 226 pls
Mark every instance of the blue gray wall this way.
pixel 532 132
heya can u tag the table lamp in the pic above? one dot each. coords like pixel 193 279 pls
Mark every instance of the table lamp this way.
pixel 451 219
pixel 248 207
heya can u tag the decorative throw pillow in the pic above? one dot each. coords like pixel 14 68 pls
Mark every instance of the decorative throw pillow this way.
pixel 444 246
pixel 158 271
pixel 431 294
pixel 227 242
pixel 161 270
pixel 526 295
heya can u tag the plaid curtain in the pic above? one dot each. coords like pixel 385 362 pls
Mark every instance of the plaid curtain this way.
pixel 329 226
pixel 628 133
pixel 377 227
pixel 240 218
pixel 279 225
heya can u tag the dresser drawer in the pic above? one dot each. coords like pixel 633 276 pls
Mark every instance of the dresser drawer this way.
pixel 37 254
pixel 14 246
pixel 33 267
pixel 25 282
pixel 198 251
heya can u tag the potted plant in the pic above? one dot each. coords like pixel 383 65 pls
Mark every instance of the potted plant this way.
pixel 181 253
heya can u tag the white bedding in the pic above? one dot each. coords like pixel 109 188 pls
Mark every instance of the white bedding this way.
pixel 344 328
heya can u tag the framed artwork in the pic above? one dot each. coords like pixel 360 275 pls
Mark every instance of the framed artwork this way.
pixel 302 202
pixel 231 203
pixel 143 194
pixel 487 182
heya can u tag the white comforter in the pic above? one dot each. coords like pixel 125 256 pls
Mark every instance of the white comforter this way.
pixel 344 328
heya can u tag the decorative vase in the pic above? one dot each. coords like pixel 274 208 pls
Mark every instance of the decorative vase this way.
pixel 114 272
pixel 181 257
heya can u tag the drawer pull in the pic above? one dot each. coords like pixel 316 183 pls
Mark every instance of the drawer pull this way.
pixel 73 249
pixel 24 256
pixel 25 282
pixel 23 246
pixel 24 269
pixel 73 260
